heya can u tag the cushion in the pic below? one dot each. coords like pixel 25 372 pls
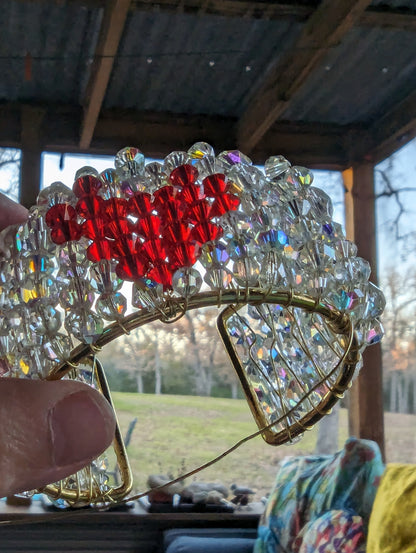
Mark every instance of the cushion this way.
pixel 392 527
pixel 209 540
pixel 307 487
pixel 334 531
pixel 195 544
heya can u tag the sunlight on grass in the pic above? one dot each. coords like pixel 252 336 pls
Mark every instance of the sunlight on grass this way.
pixel 177 433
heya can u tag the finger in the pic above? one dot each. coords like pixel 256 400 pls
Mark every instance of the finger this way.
pixel 49 430
pixel 10 212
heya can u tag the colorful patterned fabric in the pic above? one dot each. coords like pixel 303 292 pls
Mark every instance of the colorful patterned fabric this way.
pixel 307 488
pixel 392 526
pixel 334 531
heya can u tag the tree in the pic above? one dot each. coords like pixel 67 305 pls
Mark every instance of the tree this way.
pixel 10 172
pixel 207 358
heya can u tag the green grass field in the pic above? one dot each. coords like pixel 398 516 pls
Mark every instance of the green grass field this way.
pixel 174 434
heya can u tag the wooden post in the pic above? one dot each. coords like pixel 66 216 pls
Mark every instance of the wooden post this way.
pixel 366 415
pixel 30 168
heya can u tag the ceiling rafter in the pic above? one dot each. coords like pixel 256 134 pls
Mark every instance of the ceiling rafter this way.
pixel 389 19
pixel 323 146
pixel 392 131
pixel 324 29
pixel 381 16
pixel 114 19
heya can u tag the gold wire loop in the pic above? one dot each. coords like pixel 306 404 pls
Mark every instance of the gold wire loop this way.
pixel 175 310
pixel 123 328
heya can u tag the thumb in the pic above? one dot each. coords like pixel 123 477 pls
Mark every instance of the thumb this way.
pixel 49 430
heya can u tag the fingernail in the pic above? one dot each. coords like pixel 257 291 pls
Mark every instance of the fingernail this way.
pixel 81 426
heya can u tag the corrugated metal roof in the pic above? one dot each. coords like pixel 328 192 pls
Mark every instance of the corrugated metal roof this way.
pixel 194 64
pixel 359 79
pixel 177 60
pixel 60 42
pixel 405 5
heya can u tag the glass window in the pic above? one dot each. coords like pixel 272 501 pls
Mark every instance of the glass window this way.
pixel 10 172
pixel 62 167
pixel 396 239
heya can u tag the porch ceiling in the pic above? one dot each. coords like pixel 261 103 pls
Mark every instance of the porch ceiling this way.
pixel 325 83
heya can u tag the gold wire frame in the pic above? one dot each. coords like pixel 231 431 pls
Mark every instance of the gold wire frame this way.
pixel 235 299
pixel 79 496
pixel 345 367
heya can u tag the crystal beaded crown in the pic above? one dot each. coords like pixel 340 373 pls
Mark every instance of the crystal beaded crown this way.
pixel 193 231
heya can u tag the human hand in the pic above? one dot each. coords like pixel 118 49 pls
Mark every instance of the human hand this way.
pixel 48 430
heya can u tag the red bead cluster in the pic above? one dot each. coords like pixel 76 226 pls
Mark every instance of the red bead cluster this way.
pixel 148 236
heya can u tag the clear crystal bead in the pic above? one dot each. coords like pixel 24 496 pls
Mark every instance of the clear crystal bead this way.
pixel 240 247
pixel 56 193
pixel 73 258
pixel 218 279
pixel 206 166
pixel 294 182
pixel 352 301
pixel 201 149
pixel 375 333
pixel 86 171
pixel 58 348
pixel 175 159
pixel 38 263
pixel 275 166
pixel 303 175
pixel 37 285
pixel 248 181
pixel 132 185
pixel 345 249
pixel 318 255
pixel 229 158
pixel 36 233
pixel 111 306
pixel 85 327
pixel 186 282
pixel 214 255
pixel 76 295
pixel 45 319
pixel 246 272
pixel 147 294
pixel 269 275
pixel 376 302
pixel 16 317
pixel 155 176
pixel 111 185
pixel 321 208
pixel 129 162
pixel 103 277
pixel 359 270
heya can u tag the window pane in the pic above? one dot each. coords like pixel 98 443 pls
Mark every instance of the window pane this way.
pixel 57 167
pixel 396 239
pixel 10 172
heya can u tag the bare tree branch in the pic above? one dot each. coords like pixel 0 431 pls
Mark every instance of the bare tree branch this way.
pixel 390 191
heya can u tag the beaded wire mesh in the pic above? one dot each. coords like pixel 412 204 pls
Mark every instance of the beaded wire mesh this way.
pixel 196 230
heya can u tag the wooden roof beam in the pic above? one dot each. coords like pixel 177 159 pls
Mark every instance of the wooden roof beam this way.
pixel 378 16
pixel 324 29
pixel 157 134
pixel 114 19
pixel 386 18
pixel 389 132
